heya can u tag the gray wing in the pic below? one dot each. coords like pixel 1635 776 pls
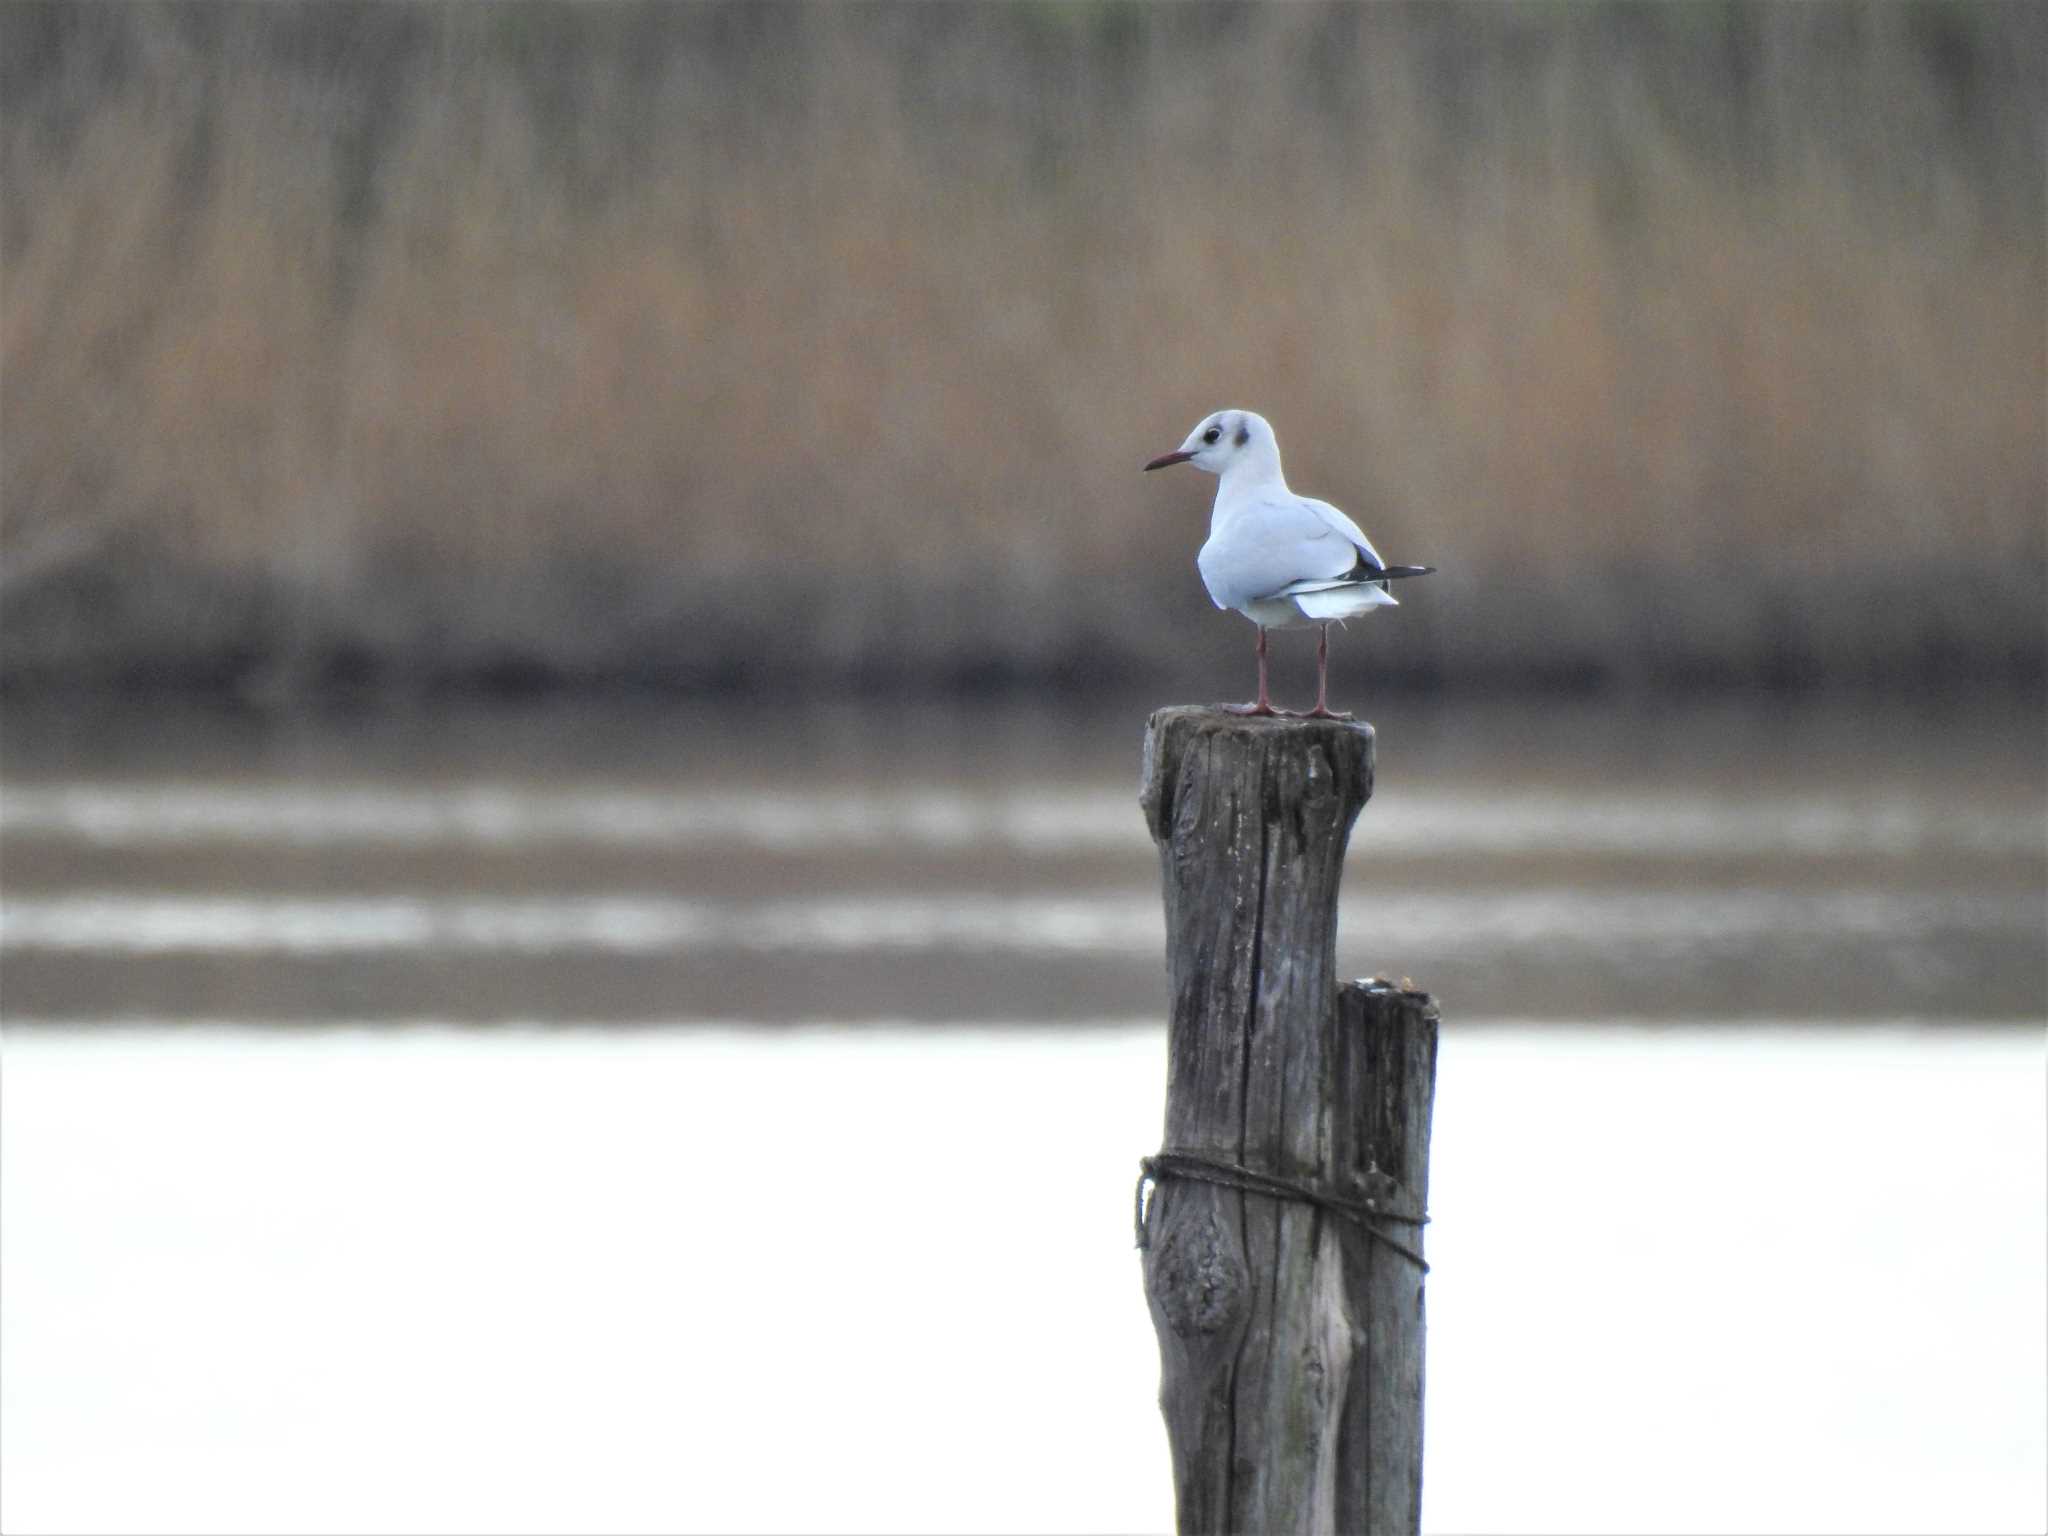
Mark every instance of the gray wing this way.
pixel 1267 546
pixel 1340 525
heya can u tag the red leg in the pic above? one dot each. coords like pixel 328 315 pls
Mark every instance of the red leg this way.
pixel 1322 711
pixel 1264 705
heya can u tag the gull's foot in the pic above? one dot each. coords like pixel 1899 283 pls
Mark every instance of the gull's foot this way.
pixel 1268 712
pixel 1323 712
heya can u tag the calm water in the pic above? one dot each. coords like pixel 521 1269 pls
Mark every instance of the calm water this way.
pixel 882 1280
pixel 876 864
pixel 853 1193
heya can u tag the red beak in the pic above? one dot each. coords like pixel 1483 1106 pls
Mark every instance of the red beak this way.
pixel 1165 459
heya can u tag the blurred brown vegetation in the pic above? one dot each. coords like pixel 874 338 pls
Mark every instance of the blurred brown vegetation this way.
pixel 740 345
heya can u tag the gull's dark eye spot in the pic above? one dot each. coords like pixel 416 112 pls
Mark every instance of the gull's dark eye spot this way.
pixel 1244 434
pixel 1212 434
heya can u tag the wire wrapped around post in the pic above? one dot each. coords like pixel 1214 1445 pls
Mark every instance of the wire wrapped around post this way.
pixel 1367 1211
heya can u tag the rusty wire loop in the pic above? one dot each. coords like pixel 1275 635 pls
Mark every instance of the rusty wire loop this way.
pixel 1365 1213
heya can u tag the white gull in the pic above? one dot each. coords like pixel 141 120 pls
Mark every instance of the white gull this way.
pixel 1283 561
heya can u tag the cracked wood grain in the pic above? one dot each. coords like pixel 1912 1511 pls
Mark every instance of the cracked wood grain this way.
pixel 1290 1341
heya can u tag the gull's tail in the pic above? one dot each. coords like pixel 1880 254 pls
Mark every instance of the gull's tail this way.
pixel 1347 596
pixel 1323 601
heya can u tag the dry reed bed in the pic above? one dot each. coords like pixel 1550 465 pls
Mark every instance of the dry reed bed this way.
pixel 710 344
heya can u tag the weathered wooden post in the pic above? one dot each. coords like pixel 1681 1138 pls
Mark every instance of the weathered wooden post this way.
pixel 1283 1237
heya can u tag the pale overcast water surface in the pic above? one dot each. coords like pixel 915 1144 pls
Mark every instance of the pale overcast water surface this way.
pixel 725 1120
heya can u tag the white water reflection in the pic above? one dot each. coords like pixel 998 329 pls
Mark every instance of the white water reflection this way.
pixel 118 922
pixel 423 1280
pixel 939 818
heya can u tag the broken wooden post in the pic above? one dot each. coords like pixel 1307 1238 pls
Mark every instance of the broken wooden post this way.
pixel 1283 1238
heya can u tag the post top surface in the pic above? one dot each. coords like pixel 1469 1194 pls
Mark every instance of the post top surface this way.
pixel 1214 718
pixel 1308 758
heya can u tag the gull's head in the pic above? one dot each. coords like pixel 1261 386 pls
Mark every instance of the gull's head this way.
pixel 1226 440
